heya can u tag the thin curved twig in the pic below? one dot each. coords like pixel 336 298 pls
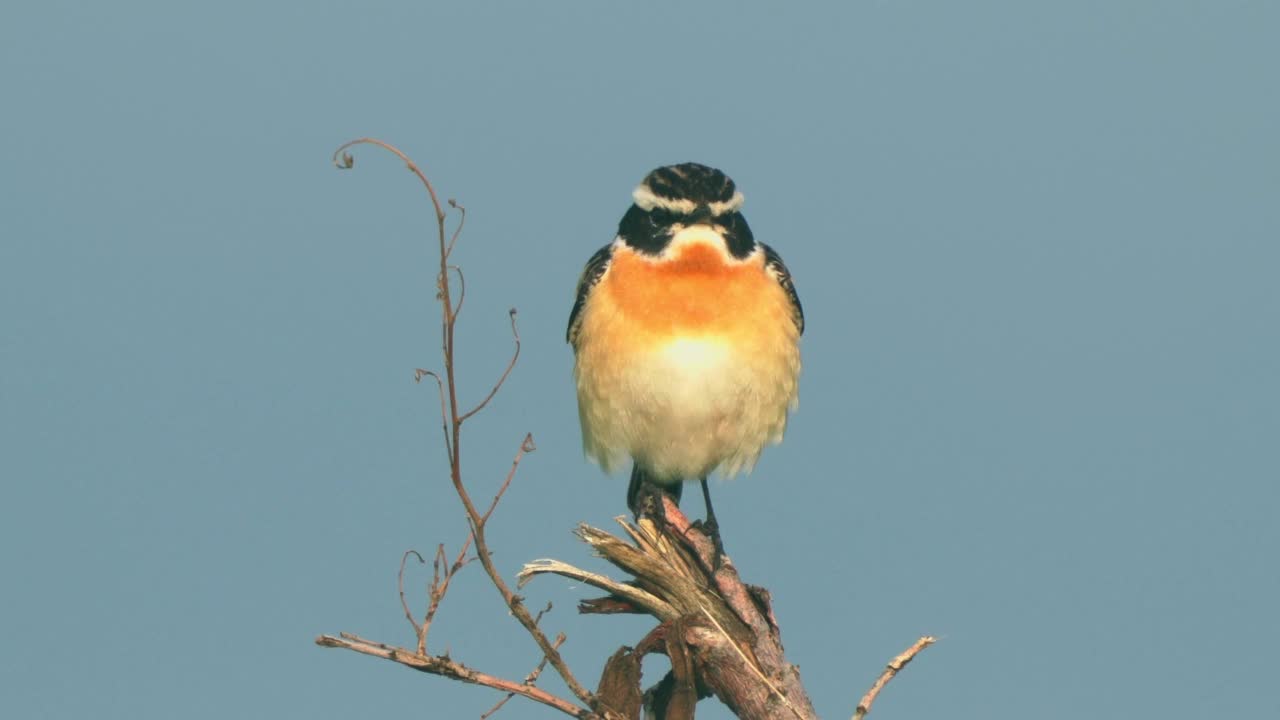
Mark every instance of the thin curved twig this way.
pixel 417 629
pixel 462 293
pixel 525 447
pixel 344 161
pixel 456 231
pixel 444 411
pixel 515 332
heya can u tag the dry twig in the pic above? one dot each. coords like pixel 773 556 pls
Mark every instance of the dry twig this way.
pixel 444 411
pixel 452 420
pixel 532 677
pixel 709 617
pixel 515 332
pixel 439 587
pixel 447 667
pixel 417 629
pixel 893 668
pixel 525 447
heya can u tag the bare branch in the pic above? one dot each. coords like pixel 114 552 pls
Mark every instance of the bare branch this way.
pixel 538 618
pixel 462 292
pixel 516 604
pixel 534 674
pixel 532 677
pixel 450 668
pixel 515 333
pixel 417 629
pixel 438 588
pixel 344 161
pixel 525 447
pixel 456 231
pixel 444 411
pixel 893 668
pixel 454 419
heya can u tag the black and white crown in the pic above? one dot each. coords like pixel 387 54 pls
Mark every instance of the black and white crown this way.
pixel 683 189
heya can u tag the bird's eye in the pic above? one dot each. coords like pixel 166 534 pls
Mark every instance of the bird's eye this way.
pixel 660 217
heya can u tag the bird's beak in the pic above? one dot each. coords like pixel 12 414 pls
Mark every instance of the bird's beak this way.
pixel 701 216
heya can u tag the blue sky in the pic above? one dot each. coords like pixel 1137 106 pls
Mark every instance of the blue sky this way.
pixel 1037 246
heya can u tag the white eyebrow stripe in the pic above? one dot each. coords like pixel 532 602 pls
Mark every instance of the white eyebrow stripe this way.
pixel 733 204
pixel 646 200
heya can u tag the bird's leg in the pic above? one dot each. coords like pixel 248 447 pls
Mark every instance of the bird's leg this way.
pixel 644 494
pixel 711 527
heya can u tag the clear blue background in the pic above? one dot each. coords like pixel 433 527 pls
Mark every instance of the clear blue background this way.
pixel 1038 246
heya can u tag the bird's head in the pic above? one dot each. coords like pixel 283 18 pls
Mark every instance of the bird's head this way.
pixel 675 197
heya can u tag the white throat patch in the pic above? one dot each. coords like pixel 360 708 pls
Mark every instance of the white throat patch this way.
pixel 705 236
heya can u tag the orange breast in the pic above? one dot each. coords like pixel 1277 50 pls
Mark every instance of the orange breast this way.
pixel 696 291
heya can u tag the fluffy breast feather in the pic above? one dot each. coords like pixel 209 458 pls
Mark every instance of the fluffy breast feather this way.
pixel 686 363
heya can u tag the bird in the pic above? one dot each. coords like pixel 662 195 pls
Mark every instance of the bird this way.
pixel 686 338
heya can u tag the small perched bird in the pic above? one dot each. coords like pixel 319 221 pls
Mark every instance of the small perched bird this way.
pixel 686 336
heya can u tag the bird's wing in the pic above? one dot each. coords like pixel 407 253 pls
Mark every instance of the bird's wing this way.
pixel 778 271
pixel 591 275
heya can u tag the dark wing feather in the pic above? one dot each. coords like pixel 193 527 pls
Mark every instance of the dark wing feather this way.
pixel 591 275
pixel 773 263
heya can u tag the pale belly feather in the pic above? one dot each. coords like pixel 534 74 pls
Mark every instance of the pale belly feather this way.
pixel 689 406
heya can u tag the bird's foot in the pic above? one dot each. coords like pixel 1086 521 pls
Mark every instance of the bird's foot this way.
pixel 711 529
